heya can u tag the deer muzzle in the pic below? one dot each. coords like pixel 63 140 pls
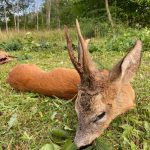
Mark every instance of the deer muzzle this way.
pixel 83 140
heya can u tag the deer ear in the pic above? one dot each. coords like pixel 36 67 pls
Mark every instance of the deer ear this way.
pixel 128 66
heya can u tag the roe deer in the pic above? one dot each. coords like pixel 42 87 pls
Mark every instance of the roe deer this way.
pixel 5 57
pixel 102 94
pixel 60 82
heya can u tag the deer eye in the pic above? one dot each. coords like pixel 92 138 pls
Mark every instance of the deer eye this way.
pixel 100 116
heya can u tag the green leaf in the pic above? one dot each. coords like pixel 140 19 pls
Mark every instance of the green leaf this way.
pixel 67 128
pixel 69 145
pixel 47 147
pixel 12 121
pixel 53 115
pixel 56 147
pixel 101 144
pixel 26 136
pixel 50 146
pixel 59 133
pixel 133 146
pixel 146 107
pixel 57 140
pixel 147 127
pixel 145 145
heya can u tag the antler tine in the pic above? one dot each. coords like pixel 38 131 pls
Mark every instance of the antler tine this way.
pixel 87 62
pixel 80 53
pixel 81 39
pixel 70 51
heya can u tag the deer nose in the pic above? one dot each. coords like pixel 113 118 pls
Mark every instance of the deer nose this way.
pixel 81 143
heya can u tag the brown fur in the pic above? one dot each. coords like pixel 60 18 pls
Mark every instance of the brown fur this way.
pixel 113 98
pixel 60 82
pixel 102 95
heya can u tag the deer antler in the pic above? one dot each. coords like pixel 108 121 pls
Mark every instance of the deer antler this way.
pixel 74 61
pixel 87 62
pixel 84 65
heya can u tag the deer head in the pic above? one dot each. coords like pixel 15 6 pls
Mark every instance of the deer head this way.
pixel 102 94
pixel 5 57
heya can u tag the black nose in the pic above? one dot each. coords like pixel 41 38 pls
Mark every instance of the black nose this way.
pixel 84 147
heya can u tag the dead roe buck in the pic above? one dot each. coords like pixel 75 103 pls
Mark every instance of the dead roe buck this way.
pixel 102 94
pixel 5 57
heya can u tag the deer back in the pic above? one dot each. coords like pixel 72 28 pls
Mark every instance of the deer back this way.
pixel 60 82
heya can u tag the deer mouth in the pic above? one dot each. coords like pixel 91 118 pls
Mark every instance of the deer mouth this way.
pixel 85 146
pixel 3 59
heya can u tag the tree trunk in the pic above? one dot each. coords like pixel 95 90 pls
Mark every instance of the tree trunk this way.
pixel 37 15
pixel 6 22
pixel 18 23
pixel 18 19
pixel 25 21
pixel 108 13
pixel 27 16
pixel 42 20
pixel 48 13
pixel 58 17
pixel 37 21
pixel 15 23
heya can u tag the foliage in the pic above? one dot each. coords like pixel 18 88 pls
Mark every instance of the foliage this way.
pixel 11 45
pixel 31 44
pixel 13 10
pixel 121 40
pixel 134 13
pixel 127 38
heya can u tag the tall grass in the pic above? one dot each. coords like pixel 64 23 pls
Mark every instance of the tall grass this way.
pixel 120 39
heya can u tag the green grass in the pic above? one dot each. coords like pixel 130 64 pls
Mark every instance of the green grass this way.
pixel 26 119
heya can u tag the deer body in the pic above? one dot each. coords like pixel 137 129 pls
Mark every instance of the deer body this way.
pixel 60 82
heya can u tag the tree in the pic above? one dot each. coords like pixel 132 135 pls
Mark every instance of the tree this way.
pixel 37 14
pixel 26 14
pixel 4 12
pixel 18 21
pixel 58 12
pixel 14 14
pixel 48 13
pixel 6 19
pixel 109 14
